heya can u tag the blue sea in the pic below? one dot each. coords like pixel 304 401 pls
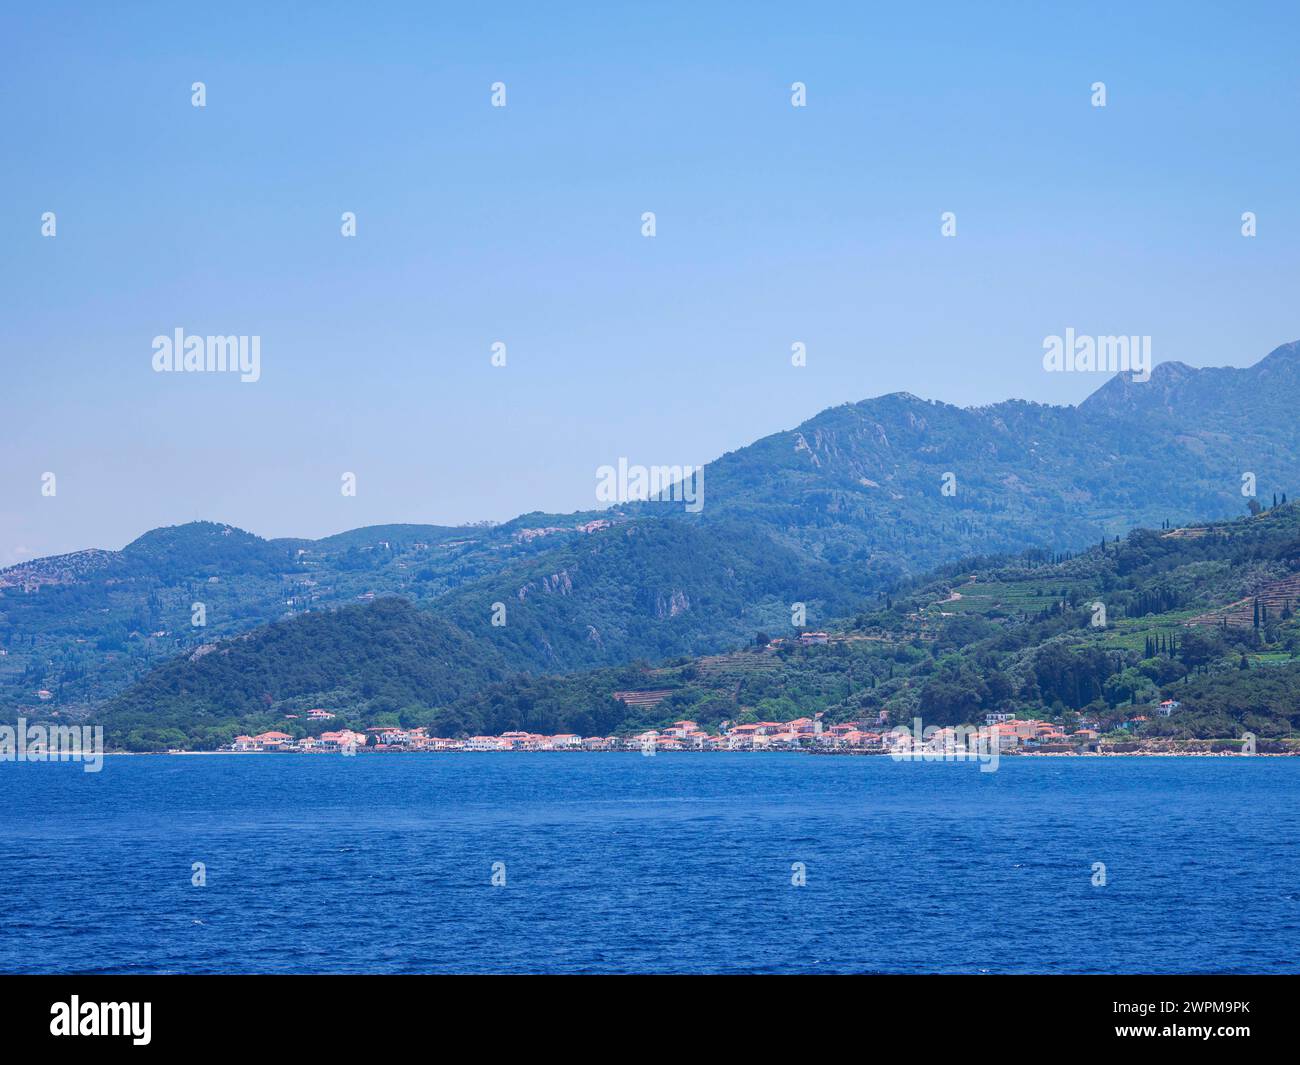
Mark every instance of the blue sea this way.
pixel 675 863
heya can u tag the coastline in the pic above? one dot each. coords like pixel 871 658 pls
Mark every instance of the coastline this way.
pixel 938 757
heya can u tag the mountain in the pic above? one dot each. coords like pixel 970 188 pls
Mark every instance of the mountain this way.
pixel 1240 398
pixel 1004 635
pixel 994 635
pixel 83 626
pixel 851 501
pixel 864 481
pixel 648 589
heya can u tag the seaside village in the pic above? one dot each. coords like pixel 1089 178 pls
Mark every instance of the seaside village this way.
pixel 802 734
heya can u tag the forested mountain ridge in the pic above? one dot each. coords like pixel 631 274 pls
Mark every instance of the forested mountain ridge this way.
pixel 865 480
pixel 852 501
pixel 1021 635
pixel 83 626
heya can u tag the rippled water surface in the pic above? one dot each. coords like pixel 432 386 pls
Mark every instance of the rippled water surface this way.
pixel 676 863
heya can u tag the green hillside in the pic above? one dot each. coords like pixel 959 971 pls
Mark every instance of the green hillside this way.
pixel 383 658
pixel 847 504
pixel 1010 635
pixel 1000 634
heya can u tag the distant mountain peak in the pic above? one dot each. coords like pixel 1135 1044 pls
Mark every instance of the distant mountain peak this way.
pixel 188 532
pixel 1230 390
pixel 1284 353
pixel 1171 368
pixel 204 548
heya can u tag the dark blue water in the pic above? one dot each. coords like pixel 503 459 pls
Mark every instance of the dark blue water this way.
pixel 677 863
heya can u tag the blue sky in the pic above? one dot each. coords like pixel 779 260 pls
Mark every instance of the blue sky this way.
pixel 522 224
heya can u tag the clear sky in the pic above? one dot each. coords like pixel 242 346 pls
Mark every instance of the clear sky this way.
pixel 522 224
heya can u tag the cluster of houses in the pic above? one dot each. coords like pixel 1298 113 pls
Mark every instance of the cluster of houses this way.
pixel 526 535
pixel 804 733
pixel 326 743
pixel 1032 733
